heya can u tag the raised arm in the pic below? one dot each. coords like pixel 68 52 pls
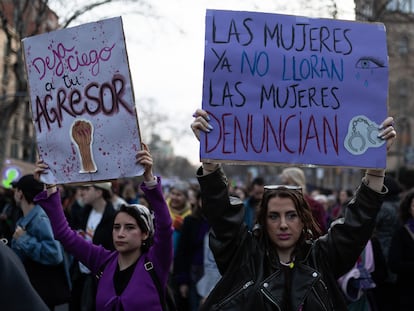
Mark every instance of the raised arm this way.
pixel 374 178
pixel 348 236
pixel 161 253
pixel 224 214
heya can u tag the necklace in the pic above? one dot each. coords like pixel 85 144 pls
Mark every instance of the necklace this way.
pixel 289 264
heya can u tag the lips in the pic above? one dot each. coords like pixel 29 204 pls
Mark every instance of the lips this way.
pixel 283 236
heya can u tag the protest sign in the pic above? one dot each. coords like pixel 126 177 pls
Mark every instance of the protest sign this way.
pixel 83 103
pixel 291 89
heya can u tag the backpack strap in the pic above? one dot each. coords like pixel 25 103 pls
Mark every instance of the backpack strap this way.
pixel 150 268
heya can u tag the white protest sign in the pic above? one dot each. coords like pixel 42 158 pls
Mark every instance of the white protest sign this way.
pixel 83 103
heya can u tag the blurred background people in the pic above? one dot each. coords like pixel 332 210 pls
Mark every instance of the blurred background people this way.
pixel 95 226
pixel 179 207
pixel 401 255
pixel 34 243
pixel 252 203
pixel 387 223
pixel 9 214
pixel 189 258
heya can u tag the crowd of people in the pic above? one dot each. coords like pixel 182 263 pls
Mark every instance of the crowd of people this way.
pixel 216 245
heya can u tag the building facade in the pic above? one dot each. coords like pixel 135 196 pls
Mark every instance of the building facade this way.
pixel 19 19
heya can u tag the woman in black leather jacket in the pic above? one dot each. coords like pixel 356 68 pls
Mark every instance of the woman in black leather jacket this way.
pixel 279 266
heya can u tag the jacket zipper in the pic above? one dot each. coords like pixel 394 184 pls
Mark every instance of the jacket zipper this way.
pixel 319 298
pixel 270 299
pixel 240 290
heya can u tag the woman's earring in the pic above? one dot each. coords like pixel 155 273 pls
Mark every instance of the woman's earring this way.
pixel 308 233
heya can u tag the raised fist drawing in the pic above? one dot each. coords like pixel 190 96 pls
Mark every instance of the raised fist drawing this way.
pixel 82 135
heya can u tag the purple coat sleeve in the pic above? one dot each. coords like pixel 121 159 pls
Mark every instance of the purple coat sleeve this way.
pixel 161 252
pixel 93 256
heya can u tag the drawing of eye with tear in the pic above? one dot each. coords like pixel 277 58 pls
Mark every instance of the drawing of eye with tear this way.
pixel 362 134
pixel 365 67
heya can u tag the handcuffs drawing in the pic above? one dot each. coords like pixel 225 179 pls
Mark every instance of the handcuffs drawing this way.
pixel 361 136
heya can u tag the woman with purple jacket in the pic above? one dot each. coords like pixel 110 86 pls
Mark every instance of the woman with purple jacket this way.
pixel 139 236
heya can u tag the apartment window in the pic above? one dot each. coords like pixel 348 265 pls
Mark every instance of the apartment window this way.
pixel 405 6
pixel 403 46
pixel 14 151
pixel 367 8
pixel 403 91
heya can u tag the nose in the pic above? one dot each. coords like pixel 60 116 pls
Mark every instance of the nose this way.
pixel 121 232
pixel 283 223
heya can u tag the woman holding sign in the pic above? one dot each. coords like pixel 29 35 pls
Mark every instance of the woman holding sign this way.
pixel 279 266
pixel 142 240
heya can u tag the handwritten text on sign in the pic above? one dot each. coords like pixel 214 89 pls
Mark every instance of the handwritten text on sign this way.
pixel 294 90
pixel 82 102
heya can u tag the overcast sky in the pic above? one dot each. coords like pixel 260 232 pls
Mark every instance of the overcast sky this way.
pixel 166 56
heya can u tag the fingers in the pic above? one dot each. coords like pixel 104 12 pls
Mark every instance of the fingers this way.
pixel 201 123
pixel 41 168
pixel 389 121
pixel 388 132
pixel 144 157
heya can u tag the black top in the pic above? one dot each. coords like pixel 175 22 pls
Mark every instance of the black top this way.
pixel 121 278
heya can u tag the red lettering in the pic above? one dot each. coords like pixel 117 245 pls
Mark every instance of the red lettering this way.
pixel 293 134
pixel 106 98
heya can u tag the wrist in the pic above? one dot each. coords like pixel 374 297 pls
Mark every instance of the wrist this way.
pixel 151 182
pixel 51 189
pixel 375 173
pixel 210 167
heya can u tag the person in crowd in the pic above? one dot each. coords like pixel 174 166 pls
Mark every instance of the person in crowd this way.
pixel 68 194
pixel 296 177
pixel 179 207
pixel 9 214
pixel 387 220
pixel 34 243
pixel 251 204
pixel 240 192
pixel 211 274
pixel 324 201
pixel 116 199
pixel 188 261
pixel 129 194
pixel 76 208
pixel 386 223
pixel 279 266
pixel 193 196
pixel 360 283
pixel 95 226
pixel 142 240
pixel 17 293
pixel 344 196
pixel 401 255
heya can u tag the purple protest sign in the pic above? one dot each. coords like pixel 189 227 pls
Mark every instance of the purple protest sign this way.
pixel 291 89
pixel 83 103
